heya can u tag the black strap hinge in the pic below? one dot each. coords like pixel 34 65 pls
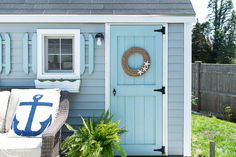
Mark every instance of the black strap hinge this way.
pixel 162 30
pixel 162 150
pixel 162 90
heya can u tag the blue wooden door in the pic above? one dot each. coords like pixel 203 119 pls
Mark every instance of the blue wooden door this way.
pixel 133 100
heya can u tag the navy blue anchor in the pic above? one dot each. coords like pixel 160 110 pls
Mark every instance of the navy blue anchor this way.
pixel 44 124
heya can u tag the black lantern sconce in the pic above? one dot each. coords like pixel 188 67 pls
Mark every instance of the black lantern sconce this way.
pixel 99 38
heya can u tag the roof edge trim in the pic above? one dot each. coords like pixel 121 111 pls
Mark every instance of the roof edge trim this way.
pixel 35 18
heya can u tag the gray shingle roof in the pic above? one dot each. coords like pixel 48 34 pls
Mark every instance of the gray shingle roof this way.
pixel 117 7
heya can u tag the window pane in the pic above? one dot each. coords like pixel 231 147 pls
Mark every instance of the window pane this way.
pixel 66 62
pixel 53 62
pixel 53 46
pixel 66 46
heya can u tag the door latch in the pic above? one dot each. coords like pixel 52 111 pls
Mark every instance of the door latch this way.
pixel 162 90
pixel 114 92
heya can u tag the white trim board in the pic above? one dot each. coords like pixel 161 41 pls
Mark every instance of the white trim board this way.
pixel 187 87
pixel 165 83
pixel 36 18
pixel 165 75
pixel 107 66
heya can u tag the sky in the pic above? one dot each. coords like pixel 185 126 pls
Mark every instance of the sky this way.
pixel 200 7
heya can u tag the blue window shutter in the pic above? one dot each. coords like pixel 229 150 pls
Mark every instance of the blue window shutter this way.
pixel 8 53
pixel 0 54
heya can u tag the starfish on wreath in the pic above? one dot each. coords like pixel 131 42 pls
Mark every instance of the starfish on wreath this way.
pixel 145 68
pixel 140 72
pixel 147 63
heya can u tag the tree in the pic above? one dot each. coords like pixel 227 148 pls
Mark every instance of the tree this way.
pixel 201 47
pixel 223 37
pixel 230 40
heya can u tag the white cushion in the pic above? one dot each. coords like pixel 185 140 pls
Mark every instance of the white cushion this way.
pixel 20 147
pixel 14 97
pixel 35 111
pixel 4 97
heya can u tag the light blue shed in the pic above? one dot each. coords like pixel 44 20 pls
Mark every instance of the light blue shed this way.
pixel 132 57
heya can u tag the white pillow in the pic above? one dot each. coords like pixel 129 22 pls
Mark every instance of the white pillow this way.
pixel 14 98
pixel 35 112
pixel 4 97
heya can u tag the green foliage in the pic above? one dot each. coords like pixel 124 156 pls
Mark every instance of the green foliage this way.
pixel 194 100
pixel 205 129
pixel 228 113
pixel 222 26
pixel 215 40
pixel 97 138
pixel 230 39
pixel 201 46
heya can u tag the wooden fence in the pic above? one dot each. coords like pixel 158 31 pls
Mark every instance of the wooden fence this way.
pixel 215 86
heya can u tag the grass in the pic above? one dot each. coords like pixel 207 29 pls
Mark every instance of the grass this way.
pixel 205 129
pixel 234 61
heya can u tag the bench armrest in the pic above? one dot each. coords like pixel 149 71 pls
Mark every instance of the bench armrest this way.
pixel 51 136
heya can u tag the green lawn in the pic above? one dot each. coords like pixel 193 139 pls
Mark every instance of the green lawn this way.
pixel 221 132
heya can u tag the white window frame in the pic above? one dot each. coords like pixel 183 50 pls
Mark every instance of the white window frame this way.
pixel 41 59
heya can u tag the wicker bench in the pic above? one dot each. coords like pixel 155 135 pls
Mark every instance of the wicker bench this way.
pixel 51 137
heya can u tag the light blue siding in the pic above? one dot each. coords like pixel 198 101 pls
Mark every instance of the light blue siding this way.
pixel 91 54
pixel 176 88
pixel 90 100
pixel 34 53
pixel 82 54
pixel 26 53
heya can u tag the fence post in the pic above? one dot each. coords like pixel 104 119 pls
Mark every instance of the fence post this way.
pixel 198 82
pixel 212 149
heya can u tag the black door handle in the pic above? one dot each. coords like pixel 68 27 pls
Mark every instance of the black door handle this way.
pixel 162 90
pixel 114 92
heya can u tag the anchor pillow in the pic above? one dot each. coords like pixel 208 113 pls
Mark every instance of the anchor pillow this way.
pixel 35 112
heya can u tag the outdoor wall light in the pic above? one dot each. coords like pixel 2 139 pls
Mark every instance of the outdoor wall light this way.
pixel 99 38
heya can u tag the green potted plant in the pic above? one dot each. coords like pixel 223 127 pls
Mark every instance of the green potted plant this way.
pixel 96 138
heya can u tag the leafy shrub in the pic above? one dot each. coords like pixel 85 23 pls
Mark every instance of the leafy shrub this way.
pixel 228 113
pixel 97 138
pixel 194 100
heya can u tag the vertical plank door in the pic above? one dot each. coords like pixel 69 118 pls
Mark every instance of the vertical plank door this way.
pixel 134 101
